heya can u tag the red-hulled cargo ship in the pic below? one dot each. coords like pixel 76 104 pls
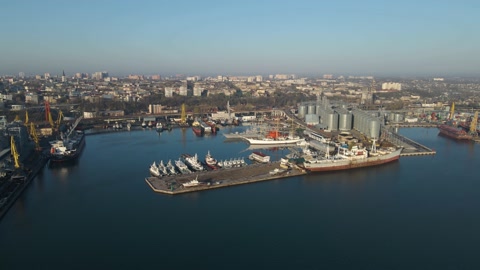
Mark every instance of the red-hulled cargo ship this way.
pixel 453 132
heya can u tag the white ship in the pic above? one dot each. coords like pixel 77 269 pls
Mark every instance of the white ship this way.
pixel 170 168
pixel 192 162
pixel 350 159
pixel 182 167
pixel 192 183
pixel 259 157
pixel 273 141
pixel 162 168
pixel 154 170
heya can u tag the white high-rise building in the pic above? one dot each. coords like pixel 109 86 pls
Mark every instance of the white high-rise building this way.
pixel 391 86
pixel 258 78
pixel 197 91
pixel 168 91
pixel 182 91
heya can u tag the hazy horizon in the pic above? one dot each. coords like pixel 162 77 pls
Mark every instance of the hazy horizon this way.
pixel 408 38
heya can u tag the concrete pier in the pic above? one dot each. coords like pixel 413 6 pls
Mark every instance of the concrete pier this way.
pixel 220 178
pixel 410 147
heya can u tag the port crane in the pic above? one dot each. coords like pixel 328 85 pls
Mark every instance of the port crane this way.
pixel 183 116
pixel 15 155
pixel 33 134
pixel 59 118
pixel 48 115
pixel 452 111
pixel 473 125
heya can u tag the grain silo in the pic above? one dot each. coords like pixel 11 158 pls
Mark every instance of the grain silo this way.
pixel 302 110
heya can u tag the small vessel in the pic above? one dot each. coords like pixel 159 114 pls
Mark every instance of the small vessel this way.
pixel 144 125
pixel 162 168
pixel 198 130
pixel 276 171
pixel 213 125
pixel 211 162
pixel 192 162
pixel 170 168
pixel 192 183
pixel 259 157
pixel 129 126
pixel 150 124
pixel 182 167
pixel 159 127
pixel 154 170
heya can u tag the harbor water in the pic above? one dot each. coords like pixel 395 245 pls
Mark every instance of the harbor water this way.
pixel 417 213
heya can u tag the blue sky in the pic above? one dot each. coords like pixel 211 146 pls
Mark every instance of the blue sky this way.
pixel 229 37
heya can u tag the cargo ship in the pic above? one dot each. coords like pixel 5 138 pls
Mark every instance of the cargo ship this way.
pixel 453 132
pixel 349 159
pixel 69 147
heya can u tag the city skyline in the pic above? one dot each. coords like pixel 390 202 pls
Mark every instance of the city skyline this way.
pixel 430 38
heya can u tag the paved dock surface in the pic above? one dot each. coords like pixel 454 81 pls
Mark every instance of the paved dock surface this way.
pixel 220 178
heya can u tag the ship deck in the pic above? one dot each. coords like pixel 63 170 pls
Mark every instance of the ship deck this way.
pixel 220 178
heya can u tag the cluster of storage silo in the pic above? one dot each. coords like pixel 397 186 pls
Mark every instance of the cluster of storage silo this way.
pixel 329 118
pixel 366 123
pixel 302 110
pixel 395 117
pixel 344 119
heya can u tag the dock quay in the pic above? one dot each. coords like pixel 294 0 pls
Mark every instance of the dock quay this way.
pixel 33 167
pixel 410 147
pixel 221 178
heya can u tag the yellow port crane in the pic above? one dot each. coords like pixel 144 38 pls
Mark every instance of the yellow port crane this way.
pixel 473 125
pixel 33 134
pixel 183 116
pixel 26 117
pixel 452 111
pixel 15 154
pixel 59 118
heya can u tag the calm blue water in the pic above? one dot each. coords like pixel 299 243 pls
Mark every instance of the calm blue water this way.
pixel 418 213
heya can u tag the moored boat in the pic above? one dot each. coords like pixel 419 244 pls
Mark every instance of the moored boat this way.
pixel 192 162
pixel 182 167
pixel 273 141
pixel 211 162
pixel 453 132
pixel 350 159
pixel 259 157
pixel 197 130
pixel 154 170
pixel 69 147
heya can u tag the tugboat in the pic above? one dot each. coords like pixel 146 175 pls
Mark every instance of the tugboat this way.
pixel 211 162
